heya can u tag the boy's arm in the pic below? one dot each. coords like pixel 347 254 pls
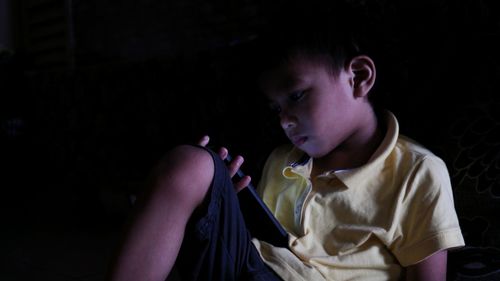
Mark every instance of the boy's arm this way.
pixel 432 268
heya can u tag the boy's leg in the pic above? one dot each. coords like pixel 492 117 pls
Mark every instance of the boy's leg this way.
pixel 154 237
pixel 152 243
pixel 217 244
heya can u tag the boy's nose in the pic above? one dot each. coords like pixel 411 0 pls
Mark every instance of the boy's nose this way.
pixel 287 121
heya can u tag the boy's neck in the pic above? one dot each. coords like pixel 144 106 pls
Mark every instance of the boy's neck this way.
pixel 352 154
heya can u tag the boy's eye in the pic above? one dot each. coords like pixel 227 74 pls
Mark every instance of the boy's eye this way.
pixel 275 107
pixel 296 96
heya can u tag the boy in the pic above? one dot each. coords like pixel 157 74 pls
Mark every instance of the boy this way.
pixel 359 201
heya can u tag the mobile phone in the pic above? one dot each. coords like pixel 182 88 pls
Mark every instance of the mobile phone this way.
pixel 259 220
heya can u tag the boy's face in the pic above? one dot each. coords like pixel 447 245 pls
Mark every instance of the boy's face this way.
pixel 317 109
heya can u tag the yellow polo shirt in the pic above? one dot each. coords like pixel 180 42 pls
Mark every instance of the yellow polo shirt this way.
pixel 365 223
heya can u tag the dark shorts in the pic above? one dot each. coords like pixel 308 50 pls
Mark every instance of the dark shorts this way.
pixel 217 244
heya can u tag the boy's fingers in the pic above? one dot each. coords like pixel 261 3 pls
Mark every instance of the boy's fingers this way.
pixel 204 141
pixel 223 153
pixel 235 165
pixel 233 168
pixel 244 182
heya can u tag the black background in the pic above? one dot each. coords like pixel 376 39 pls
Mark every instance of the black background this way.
pixel 79 138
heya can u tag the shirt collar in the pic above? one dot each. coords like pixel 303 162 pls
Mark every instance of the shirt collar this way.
pixel 300 164
pixel 357 176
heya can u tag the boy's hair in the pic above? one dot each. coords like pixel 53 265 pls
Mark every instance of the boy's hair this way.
pixel 334 30
pixel 311 29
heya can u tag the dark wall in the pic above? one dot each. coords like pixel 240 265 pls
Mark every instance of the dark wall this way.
pixel 5 25
pixel 137 30
pixel 144 77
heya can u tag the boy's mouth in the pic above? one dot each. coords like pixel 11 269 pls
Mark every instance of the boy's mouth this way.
pixel 298 140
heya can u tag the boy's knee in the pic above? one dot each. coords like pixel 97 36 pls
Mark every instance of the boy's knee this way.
pixel 186 172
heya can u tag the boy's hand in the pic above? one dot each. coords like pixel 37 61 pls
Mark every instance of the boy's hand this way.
pixel 232 167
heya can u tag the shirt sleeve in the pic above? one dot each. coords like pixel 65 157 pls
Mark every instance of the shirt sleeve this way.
pixel 428 220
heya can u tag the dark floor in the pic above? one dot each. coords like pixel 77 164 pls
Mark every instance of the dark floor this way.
pixel 47 237
pixel 43 254
pixel 56 238
pixel 44 251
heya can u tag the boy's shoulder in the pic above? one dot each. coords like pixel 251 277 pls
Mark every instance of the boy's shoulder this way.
pixel 412 148
pixel 409 157
pixel 399 150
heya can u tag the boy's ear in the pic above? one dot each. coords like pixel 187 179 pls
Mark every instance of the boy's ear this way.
pixel 362 69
